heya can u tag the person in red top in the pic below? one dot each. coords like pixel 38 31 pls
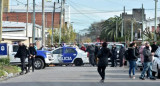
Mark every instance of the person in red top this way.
pixel 83 48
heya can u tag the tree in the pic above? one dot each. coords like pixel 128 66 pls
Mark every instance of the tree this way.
pixel 108 32
pixel 68 35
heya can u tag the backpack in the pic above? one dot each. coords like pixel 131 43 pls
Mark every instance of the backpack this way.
pixel 126 54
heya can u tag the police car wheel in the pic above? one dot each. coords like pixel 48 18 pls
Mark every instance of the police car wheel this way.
pixel 78 62
pixel 38 64
pixel 158 74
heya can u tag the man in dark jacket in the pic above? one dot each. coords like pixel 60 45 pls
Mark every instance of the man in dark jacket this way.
pixel 147 62
pixel 91 51
pixel 32 56
pixel 114 56
pixel 154 47
pixel 22 54
pixel 121 55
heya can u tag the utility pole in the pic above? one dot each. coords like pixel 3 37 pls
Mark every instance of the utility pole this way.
pixel 33 30
pixel 53 22
pixel 63 12
pixel 142 23
pixel 1 20
pixel 61 16
pixel 43 24
pixel 116 28
pixel 155 26
pixel 27 19
pixel 122 26
pixel 132 29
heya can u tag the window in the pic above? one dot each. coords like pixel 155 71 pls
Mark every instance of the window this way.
pixel 15 48
pixel 70 50
pixel 58 51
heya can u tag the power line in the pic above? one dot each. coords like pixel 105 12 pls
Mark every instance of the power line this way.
pixel 81 12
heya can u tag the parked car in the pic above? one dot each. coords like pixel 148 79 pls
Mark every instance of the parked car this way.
pixel 69 55
pixel 139 64
pixel 42 59
pixel 156 63
pixel 118 46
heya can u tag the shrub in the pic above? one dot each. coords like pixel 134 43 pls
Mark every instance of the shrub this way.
pixel 2 73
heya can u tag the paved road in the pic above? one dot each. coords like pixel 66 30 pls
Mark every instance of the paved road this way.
pixel 77 76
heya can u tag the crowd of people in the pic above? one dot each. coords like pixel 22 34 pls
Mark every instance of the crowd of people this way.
pixel 23 53
pixel 98 56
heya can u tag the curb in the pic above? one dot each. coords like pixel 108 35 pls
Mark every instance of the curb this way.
pixel 4 78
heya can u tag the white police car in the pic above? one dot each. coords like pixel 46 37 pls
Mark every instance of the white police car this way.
pixel 156 63
pixel 69 55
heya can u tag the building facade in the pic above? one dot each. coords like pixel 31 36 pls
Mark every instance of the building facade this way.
pixel 14 32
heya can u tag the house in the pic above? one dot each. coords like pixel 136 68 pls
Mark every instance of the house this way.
pixel 14 32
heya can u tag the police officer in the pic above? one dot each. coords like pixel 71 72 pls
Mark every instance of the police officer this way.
pixel 32 56
pixel 91 51
pixel 22 54
pixel 114 56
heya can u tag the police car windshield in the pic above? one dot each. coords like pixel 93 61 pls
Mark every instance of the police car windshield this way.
pixel 117 46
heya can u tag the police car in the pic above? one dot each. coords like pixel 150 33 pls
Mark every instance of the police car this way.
pixel 156 63
pixel 42 59
pixel 69 55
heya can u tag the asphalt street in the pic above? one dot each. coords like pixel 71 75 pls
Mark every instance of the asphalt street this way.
pixel 78 76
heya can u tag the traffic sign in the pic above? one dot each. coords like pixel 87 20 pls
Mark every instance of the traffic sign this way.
pixel 3 48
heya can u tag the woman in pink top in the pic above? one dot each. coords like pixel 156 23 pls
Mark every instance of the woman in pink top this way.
pixel 141 52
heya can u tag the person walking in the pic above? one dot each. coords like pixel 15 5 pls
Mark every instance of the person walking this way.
pixel 91 51
pixel 147 62
pixel 22 54
pixel 132 59
pixel 141 52
pixel 154 47
pixel 103 55
pixel 114 56
pixel 121 55
pixel 32 56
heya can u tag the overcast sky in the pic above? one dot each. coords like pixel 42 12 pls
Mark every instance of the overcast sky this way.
pixel 85 12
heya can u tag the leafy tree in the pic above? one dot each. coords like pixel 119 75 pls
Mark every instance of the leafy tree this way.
pixel 68 35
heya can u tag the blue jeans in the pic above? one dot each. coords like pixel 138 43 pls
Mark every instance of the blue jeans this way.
pixel 132 65
pixel 147 67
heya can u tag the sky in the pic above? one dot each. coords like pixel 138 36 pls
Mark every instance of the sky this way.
pixel 86 12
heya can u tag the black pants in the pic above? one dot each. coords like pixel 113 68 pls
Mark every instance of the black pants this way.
pixel 31 63
pixel 23 66
pixel 92 60
pixel 101 71
pixel 121 60
pixel 114 61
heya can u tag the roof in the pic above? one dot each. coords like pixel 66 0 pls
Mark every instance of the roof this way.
pixel 9 24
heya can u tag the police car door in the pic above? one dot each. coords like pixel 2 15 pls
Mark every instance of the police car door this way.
pixel 69 55
pixel 14 49
pixel 57 55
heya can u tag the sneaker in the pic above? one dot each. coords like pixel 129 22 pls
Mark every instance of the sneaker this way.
pixel 152 78
pixel 130 76
pixel 133 77
pixel 21 73
pixel 101 81
pixel 142 78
